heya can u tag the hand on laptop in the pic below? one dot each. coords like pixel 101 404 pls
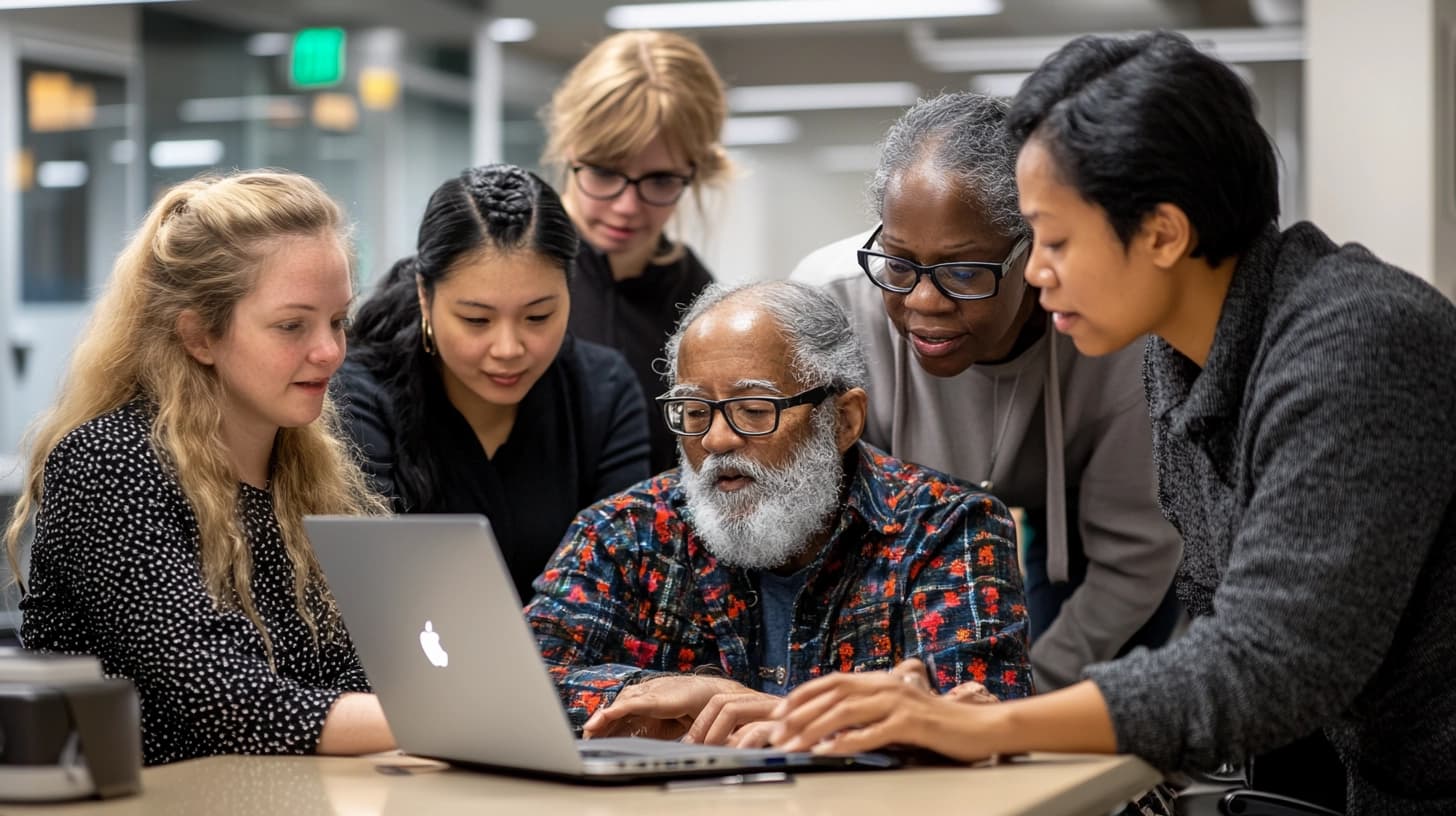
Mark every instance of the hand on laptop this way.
pixel 918 673
pixel 661 708
pixel 738 718
pixel 971 692
pixel 847 713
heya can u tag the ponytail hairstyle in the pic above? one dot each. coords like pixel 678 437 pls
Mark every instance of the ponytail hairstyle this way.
pixel 632 87
pixel 199 250
pixel 495 208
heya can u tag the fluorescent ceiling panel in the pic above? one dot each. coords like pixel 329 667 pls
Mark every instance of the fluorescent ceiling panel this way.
pixel 62 174
pixel 512 29
pixel 740 131
pixel 826 96
pixel 788 12
pixel 186 153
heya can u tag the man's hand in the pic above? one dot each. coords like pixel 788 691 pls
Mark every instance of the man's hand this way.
pixel 661 708
pixel 971 692
pixel 727 713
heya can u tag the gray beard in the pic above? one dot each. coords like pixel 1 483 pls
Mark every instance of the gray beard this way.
pixel 773 519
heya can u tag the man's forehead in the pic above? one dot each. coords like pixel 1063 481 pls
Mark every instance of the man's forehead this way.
pixel 737 341
pixel 735 319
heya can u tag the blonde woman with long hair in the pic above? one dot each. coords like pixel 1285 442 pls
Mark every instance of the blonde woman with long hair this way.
pixel 634 126
pixel 169 482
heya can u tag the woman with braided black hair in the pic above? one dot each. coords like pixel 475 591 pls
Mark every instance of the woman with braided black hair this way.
pixel 462 387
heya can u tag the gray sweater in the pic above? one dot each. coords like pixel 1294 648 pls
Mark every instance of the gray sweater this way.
pixel 1311 467
pixel 1094 481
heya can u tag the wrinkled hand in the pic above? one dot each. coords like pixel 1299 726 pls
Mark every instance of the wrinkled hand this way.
pixel 916 672
pixel 719 722
pixel 971 692
pixel 661 708
pixel 851 713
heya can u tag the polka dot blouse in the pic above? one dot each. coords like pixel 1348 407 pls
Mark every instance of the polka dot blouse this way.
pixel 115 573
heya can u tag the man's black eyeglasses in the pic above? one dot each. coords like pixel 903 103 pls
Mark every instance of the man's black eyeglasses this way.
pixel 747 416
pixel 957 280
pixel 661 189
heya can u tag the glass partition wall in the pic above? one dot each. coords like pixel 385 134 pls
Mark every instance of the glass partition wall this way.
pixel 379 139
pixel 103 120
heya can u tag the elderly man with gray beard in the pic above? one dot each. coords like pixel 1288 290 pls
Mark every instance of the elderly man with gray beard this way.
pixel 782 549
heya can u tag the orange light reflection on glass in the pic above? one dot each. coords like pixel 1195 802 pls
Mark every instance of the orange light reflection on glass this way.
pixel 335 111
pixel 54 102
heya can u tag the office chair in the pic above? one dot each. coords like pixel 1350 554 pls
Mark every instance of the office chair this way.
pixel 1304 778
pixel 1241 801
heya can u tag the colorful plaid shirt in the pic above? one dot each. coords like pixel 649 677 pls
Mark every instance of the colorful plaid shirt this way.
pixel 918 564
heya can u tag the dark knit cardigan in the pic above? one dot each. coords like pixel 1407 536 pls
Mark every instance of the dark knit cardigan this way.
pixel 1310 467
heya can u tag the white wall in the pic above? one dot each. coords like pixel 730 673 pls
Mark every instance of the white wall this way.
pixel 782 205
pixel 1378 85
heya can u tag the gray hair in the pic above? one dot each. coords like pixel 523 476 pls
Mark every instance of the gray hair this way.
pixel 823 348
pixel 964 136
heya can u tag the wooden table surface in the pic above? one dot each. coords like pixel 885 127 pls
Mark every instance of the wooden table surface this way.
pixel 1043 784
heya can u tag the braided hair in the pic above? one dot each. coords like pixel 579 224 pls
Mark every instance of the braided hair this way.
pixel 502 194
pixel 493 207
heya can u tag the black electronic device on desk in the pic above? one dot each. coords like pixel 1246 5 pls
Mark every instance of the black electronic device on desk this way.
pixel 66 732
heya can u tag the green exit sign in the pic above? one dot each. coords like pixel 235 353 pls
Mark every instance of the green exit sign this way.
pixel 318 57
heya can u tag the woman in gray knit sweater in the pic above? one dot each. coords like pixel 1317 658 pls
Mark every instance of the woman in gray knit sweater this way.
pixel 1300 394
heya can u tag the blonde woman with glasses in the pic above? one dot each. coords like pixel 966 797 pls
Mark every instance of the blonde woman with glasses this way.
pixel 633 128
pixel 170 480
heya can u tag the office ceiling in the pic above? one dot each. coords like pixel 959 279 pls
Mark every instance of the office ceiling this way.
pixel 869 51
pixel 758 55
pixel 750 55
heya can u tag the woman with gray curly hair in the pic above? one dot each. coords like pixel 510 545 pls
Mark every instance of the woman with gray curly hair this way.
pixel 968 378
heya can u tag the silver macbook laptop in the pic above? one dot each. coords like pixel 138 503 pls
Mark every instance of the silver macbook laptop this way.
pixel 434 616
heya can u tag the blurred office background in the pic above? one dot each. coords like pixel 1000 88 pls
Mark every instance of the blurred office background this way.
pixel 103 105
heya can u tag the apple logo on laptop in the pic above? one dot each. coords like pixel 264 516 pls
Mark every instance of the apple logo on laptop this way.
pixel 430 642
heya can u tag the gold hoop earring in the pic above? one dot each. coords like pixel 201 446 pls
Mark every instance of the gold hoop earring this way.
pixel 427 335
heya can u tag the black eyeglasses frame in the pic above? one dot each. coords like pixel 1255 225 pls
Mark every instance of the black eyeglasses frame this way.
pixel 998 270
pixel 629 181
pixel 813 396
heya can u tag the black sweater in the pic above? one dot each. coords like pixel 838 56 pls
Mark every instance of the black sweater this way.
pixel 1311 468
pixel 580 435
pixel 635 316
